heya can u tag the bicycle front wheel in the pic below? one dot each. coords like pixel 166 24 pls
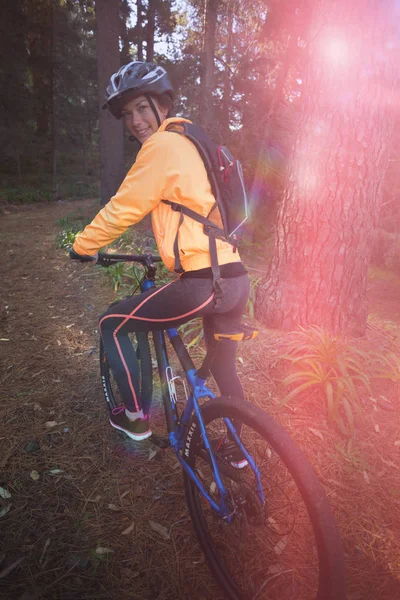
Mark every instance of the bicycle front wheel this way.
pixel 279 546
pixel 140 343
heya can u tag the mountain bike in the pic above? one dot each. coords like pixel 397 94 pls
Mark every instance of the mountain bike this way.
pixel 266 530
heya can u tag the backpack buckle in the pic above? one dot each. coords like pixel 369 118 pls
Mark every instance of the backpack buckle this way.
pixel 220 287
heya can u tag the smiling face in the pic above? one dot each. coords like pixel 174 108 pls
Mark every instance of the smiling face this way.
pixel 140 119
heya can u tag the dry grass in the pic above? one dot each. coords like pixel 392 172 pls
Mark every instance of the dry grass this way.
pixel 93 485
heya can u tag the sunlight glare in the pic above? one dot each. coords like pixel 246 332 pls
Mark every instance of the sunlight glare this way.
pixel 335 50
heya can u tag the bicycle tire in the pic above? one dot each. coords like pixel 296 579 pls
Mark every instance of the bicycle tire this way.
pixel 330 582
pixel 141 346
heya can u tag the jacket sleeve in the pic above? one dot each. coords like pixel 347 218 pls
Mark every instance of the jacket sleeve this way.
pixel 140 192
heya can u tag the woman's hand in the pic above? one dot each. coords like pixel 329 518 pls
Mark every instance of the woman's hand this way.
pixel 83 258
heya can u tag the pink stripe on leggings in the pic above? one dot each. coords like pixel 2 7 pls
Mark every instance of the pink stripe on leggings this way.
pixel 131 316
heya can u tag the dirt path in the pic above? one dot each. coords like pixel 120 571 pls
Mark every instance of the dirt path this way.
pixel 76 486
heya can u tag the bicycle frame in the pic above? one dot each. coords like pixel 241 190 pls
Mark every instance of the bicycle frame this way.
pixel 177 427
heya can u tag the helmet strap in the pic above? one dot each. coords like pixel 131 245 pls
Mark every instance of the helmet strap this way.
pixel 154 109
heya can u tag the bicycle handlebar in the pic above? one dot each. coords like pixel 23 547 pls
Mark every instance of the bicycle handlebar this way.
pixel 146 260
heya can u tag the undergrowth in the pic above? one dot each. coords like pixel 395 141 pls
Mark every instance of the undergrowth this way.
pixel 340 373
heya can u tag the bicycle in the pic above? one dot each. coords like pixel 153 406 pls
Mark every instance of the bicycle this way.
pixel 254 524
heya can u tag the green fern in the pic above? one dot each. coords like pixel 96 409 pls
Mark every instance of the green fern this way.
pixel 332 367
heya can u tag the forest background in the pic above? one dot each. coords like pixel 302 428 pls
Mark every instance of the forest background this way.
pixel 302 91
pixel 306 94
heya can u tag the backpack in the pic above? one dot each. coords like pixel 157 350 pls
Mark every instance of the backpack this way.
pixel 230 210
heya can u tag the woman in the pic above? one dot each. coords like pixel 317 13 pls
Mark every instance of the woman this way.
pixel 167 167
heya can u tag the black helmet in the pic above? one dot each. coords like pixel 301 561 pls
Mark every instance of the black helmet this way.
pixel 137 78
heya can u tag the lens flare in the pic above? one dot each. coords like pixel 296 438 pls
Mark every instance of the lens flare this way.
pixel 335 50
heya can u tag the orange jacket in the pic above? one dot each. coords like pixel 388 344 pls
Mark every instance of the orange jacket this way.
pixel 168 167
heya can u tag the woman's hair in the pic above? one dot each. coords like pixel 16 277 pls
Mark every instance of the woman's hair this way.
pixel 166 101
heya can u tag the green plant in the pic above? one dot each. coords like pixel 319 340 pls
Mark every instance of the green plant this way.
pixel 25 195
pixel 192 328
pixel 251 302
pixel 332 367
pixel 66 237
pixel 387 366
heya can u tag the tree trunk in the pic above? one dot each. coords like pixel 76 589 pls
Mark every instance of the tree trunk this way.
pixel 318 273
pixel 139 22
pixel 210 26
pixel 150 28
pixel 227 87
pixel 53 86
pixel 39 14
pixel 108 62
pixel 125 12
pixel 267 134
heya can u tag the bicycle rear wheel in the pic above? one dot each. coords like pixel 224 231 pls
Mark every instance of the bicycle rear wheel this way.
pixel 141 347
pixel 285 548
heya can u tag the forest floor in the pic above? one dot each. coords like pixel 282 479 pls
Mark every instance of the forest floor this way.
pixel 75 485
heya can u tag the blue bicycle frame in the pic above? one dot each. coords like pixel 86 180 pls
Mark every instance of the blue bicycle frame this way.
pixel 177 426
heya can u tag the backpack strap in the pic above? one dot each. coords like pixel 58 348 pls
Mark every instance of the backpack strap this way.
pixel 209 227
pixel 214 232
pixel 219 284
pixel 196 216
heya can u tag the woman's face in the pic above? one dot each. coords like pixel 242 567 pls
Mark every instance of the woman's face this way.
pixel 140 119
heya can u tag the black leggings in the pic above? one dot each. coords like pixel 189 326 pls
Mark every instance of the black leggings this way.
pixel 167 307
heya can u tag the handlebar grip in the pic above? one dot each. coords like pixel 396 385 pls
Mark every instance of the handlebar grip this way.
pixel 75 256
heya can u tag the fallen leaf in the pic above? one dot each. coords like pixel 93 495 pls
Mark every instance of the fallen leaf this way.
pixel 377 428
pixel 273 523
pixel 55 471
pixel 127 572
pixel 69 326
pixel 213 487
pixel 160 529
pixel 274 569
pixel 50 424
pixel 137 491
pixel 34 475
pixel 240 359
pixel 4 340
pixel 4 493
pixel 128 529
pixel 316 432
pixel 58 342
pixel 281 545
pixel 100 550
pixel 4 510
pixel 96 499
pixel 152 454
pixel 114 507
pixel 389 463
pixel 125 494
pixel 14 565
pixel 366 476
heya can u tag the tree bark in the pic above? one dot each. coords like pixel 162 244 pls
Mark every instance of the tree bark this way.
pixel 108 62
pixel 227 87
pixel 53 85
pixel 139 22
pixel 210 26
pixel 150 29
pixel 39 14
pixel 125 12
pixel 318 273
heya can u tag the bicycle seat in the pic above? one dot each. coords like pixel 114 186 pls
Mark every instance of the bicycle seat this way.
pixel 243 332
